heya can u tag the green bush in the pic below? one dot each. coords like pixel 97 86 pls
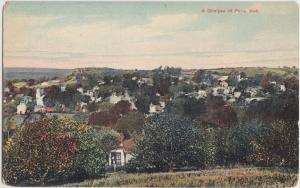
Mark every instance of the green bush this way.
pixel 169 142
pixel 38 151
pixel 56 149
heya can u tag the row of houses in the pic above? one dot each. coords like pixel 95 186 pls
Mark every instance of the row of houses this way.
pixel 231 94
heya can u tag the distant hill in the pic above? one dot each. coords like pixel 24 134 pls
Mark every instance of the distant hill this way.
pixel 103 71
pixel 252 71
pixel 34 73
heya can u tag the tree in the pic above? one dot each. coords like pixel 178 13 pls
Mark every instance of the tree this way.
pixel 133 122
pixel 199 76
pixel 55 149
pixel 103 118
pixel 27 91
pixel 92 107
pixel 94 150
pixel 142 103
pixel 238 145
pixel 283 106
pixel 162 82
pixel 243 75
pixel 181 87
pixel 218 113
pixel 11 107
pixel 8 84
pixel 278 144
pixel 103 91
pixel 194 107
pixel 292 83
pixel 109 140
pixel 70 96
pixel 169 142
pixel 110 117
pixel 85 98
pixel 265 83
pixel 144 95
pixel 121 108
pixel 242 85
pixel 105 106
pixel 53 92
pixel 176 106
pixel 39 150
pixel 130 83
pixel 49 102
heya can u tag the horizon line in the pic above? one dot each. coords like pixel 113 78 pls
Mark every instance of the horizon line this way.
pixel 149 69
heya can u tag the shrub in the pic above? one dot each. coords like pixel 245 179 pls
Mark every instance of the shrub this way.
pixel 169 142
pixel 278 144
pixel 39 150
pixel 52 149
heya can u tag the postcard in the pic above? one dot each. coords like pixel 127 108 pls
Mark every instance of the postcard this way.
pixel 159 94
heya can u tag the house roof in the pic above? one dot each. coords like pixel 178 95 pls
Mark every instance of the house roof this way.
pixel 129 145
pixel 223 78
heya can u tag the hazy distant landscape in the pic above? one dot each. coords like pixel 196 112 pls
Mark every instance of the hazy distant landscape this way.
pixel 34 73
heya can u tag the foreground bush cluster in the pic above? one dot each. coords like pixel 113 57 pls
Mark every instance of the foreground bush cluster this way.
pixel 55 150
pixel 52 149
pixel 172 142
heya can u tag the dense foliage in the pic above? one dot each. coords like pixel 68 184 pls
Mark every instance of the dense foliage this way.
pixel 169 142
pixel 50 148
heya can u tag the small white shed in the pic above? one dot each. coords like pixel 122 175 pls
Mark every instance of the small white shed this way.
pixel 119 157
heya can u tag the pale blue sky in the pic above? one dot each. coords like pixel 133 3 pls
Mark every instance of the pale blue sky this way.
pixel 149 34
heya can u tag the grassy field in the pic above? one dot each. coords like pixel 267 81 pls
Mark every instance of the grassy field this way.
pixel 236 177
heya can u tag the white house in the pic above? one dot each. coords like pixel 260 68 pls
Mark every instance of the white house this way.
pixel 282 88
pixel 202 94
pixel 80 89
pixel 114 98
pixel 223 83
pixel 95 88
pixel 21 108
pixel 148 81
pixel 237 94
pixel 63 88
pixel 121 155
pixel 155 108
